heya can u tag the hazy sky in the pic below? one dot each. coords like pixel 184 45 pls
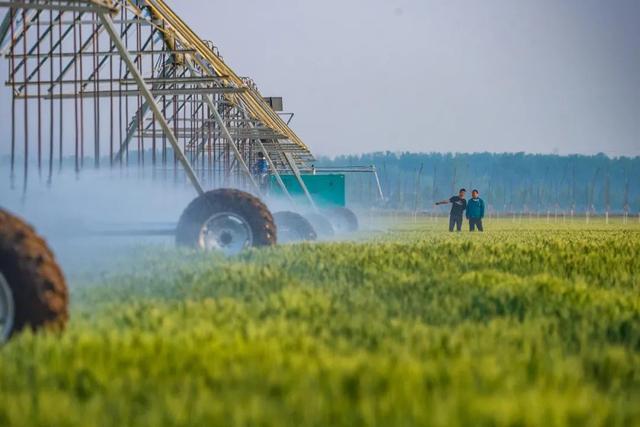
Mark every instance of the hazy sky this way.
pixel 435 75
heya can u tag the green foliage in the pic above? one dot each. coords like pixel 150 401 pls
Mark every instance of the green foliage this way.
pixel 507 181
pixel 415 326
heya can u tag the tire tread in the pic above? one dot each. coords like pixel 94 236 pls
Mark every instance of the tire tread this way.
pixel 37 283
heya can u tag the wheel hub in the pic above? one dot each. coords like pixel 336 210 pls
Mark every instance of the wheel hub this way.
pixel 226 232
pixel 226 238
pixel 7 309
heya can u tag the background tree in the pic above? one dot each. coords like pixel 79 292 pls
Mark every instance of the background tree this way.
pixel 508 182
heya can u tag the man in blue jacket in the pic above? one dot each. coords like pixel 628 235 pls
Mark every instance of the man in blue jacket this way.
pixel 261 172
pixel 475 211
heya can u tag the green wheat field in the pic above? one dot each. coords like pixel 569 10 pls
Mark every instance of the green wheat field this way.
pixel 532 323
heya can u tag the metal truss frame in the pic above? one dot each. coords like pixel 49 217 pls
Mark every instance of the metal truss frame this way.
pixel 128 82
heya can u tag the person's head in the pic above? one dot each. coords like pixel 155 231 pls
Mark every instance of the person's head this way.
pixel 260 155
pixel 462 192
pixel 475 194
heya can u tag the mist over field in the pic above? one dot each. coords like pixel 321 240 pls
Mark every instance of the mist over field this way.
pixel 85 217
pixel 99 219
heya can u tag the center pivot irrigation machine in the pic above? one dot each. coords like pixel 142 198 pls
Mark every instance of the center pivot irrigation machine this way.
pixel 127 83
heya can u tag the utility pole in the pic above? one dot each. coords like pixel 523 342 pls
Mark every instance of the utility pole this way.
pixel 434 181
pixel 607 200
pixel 590 193
pixel 573 190
pixel 415 210
pixel 626 197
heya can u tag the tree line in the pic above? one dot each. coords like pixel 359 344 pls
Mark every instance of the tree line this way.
pixel 508 182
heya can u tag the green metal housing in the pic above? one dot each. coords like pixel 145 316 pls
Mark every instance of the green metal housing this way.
pixel 326 190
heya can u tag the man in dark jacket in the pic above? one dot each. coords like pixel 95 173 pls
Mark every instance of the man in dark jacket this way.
pixel 475 211
pixel 458 205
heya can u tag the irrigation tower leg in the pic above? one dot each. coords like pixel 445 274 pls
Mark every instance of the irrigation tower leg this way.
pixel 380 194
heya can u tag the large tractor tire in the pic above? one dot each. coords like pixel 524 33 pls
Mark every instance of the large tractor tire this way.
pixel 226 220
pixel 33 292
pixel 293 227
pixel 343 219
pixel 320 224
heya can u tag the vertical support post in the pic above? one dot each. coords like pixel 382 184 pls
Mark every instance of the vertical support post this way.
pixel 148 96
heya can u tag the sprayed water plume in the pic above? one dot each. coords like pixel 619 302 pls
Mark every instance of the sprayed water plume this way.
pixel 87 220
pixel 103 217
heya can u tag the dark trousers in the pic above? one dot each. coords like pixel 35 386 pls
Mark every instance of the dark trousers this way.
pixel 455 220
pixel 475 222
